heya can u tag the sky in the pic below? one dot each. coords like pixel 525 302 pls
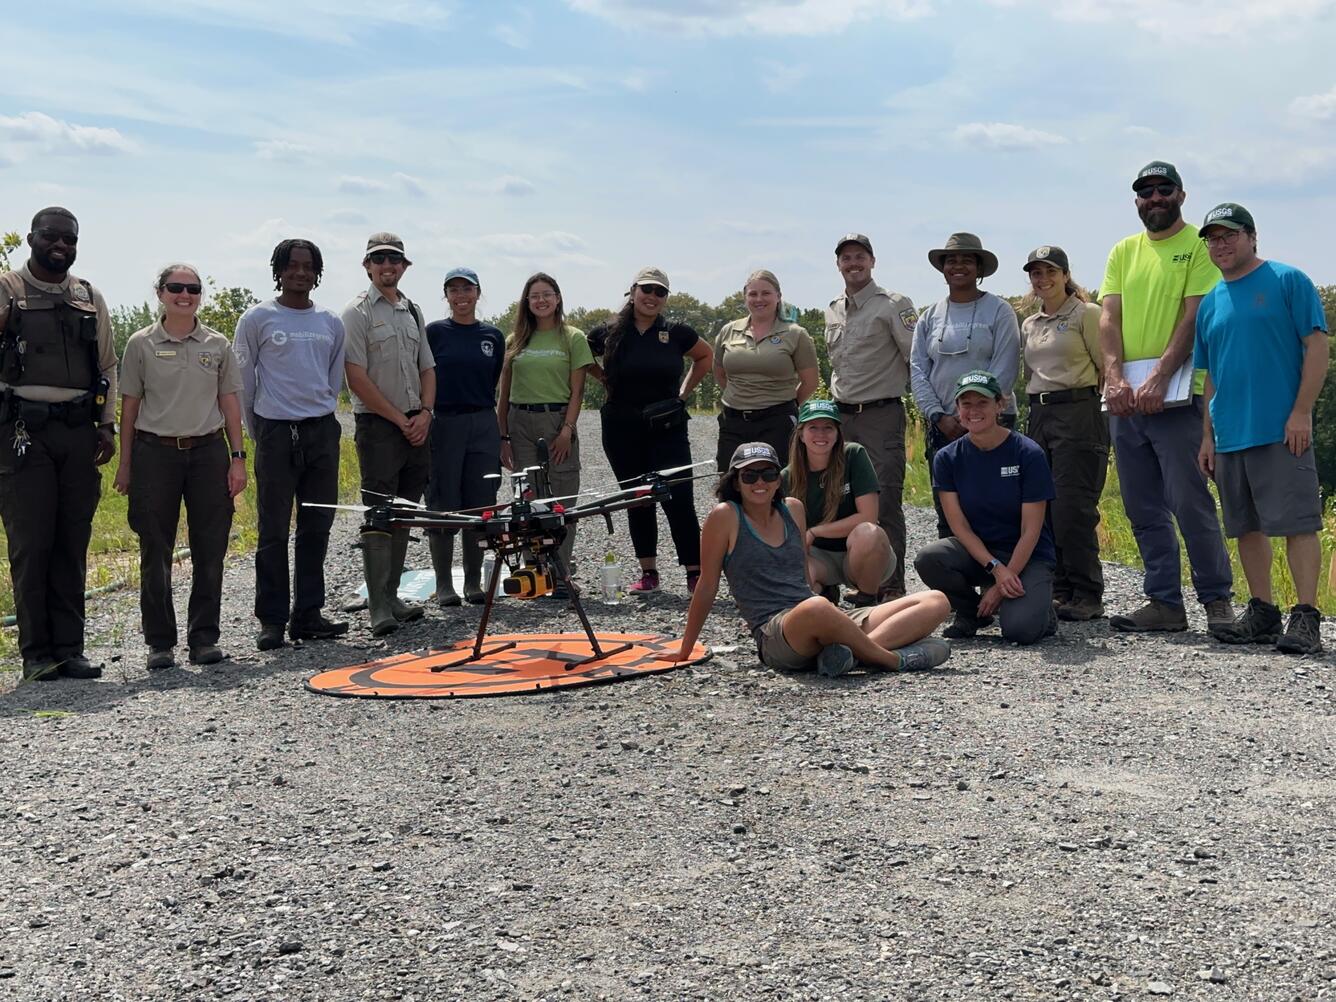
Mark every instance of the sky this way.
pixel 588 138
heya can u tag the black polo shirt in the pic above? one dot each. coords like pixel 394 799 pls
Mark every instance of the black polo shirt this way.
pixel 468 362
pixel 648 366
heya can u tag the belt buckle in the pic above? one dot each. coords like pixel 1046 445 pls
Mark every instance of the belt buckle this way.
pixel 179 446
pixel 1043 397
pixel 858 408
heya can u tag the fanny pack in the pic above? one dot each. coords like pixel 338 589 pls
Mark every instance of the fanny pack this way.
pixel 663 415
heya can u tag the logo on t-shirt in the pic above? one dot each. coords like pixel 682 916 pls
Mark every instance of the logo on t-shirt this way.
pixel 1183 258
pixel 775 339
pixel 487 348
pixel 663 337
pixel 1010 471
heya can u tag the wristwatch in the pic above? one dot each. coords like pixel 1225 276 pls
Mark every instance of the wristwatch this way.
pixel 991 565
pixel 239 454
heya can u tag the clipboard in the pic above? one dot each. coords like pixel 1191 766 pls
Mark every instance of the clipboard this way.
pixel 1178 391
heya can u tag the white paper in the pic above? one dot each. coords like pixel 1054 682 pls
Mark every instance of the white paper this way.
pixel 1177 392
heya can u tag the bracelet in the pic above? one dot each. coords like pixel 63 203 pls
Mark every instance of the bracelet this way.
pixel 567 424
pixel 505 438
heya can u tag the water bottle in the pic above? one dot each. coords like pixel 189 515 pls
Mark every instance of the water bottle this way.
pixel 488 562
pixel 610 579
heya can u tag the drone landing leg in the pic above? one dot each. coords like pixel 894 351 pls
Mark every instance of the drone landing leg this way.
pixel 478 652
pixel 599 653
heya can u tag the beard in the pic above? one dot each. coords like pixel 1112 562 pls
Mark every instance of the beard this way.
pixel 1159 218
pixel 59 267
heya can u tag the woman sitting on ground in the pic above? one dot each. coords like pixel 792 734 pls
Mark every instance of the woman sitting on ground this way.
pixel 995 487
pixel 756 538
pixel 837 484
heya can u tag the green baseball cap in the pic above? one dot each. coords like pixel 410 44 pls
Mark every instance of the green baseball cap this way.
pixel 978 381
pixel 814 409
pixel 1230 215
pixel 1158 170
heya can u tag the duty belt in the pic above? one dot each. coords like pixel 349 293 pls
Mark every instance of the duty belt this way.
pixel 1064 396
pixel 37 412
pixel 180 442
pixel 763 412
pixel 866 405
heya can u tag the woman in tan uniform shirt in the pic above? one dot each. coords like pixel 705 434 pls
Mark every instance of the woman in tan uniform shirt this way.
pixel 179 391
pixel 1060 344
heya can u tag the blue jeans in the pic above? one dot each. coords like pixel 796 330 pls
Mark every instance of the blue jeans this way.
pixel 1158 477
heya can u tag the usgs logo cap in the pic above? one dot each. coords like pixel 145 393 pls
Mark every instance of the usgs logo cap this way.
pixel 751 453
pixel 978 381
pixel 1157 170
pixel 1230 215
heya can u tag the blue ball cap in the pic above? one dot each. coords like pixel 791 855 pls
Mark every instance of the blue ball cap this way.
pixel 468 274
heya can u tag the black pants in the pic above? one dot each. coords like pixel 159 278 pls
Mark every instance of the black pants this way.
pixel 633 450
pixel 934 443
pixel 388 464
pixel 161 478
pixel 294 461
pixel 775 428
pixel 1075 438
pixel 947 566
pixel 47 500
pixel 464 449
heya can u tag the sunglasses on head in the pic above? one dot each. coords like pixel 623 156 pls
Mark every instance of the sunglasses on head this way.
pixel 749 476
pixel 380 257
pixel 176 288
pixel 1164 189
pixel 654 290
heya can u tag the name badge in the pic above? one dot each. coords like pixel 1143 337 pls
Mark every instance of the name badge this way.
pixel 169 353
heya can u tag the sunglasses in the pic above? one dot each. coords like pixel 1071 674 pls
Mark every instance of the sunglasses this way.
pixel 59 237
pixel 176 288
pixel 380 257
pixel 654 290
pixel 770 474
pixel 1164 190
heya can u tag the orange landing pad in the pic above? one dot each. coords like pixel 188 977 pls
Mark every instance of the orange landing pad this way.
pixel 533 663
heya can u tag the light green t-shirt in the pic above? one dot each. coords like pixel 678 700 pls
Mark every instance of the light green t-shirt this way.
pixel 1153 277
pixel 541 373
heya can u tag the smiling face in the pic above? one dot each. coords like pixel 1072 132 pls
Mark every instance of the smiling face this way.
pixel 977 411
pixel 1048 281
pixel 298 276
pixel 762 299
pixel 961 271
pixel 385 268
pixel 53 242
pixel 543 302
pixel 181 305
pixel 762 491
pixel 819 437
pixel 462 295
pixel 855 264
pixel 1159 204
pixel 647 302
pixel 1232 251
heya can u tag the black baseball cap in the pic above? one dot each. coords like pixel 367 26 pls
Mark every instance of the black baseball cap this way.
pixel 1158 170
pixel 1230 215
pixel 1048 254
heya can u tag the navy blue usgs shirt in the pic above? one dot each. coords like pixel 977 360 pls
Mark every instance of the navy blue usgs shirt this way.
pixel 468 362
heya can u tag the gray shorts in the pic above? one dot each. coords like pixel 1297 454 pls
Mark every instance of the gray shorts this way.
pixel 1270 490
pixel 775 652
pixel 835 565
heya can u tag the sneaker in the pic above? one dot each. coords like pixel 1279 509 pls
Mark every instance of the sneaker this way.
pixel 206 654
pixel 963 627
pixel 1079 610
pixel 928 653
pixel 160 658
pixel 270 636
pixel 834 661
pixel 1259 623
pixel 693 579
pixel 78 666
pixel 1154 616
pixel 40 669
pixel 649 581
pixel 1219 614
pixel 1303 634
pixel 313 626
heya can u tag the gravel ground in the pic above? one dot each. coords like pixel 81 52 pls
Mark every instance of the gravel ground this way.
pixel 1098 817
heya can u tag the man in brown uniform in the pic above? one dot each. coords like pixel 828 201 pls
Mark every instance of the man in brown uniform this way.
pixel 57 414
pixel 868 334
pixel 392 375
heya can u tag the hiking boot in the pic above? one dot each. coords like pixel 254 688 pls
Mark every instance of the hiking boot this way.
pixel 649 581
pixel 1303 634
pixel 206 654
pixel 1155 616
pixel 40 669
pixel 78 666
pixel 835 660
pixel 1080 610
pixel 314 626
pixel 160 658
pixel 927 653
pixel 270 636
pixel 964 627
pixel 1259 623
pixel 1219 614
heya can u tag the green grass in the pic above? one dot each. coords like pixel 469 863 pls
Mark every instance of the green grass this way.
pixel 1117 544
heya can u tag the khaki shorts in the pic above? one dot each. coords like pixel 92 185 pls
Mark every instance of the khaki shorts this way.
pixel 775 652
pixel 835 565
pixel 1270 490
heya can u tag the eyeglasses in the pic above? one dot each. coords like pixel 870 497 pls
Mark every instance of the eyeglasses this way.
pixel 59 237
pixel 176 288
pixel 1164 190
pixel 380 257
pixel 1228 237
pixel 541 297
pixel 654 290
pixel 769 474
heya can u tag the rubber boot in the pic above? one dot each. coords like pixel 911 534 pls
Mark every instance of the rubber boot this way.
pixel 442 545
pixel 471 557
pixel 398 554
pixel 376 567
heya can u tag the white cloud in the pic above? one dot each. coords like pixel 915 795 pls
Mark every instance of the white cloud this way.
pixel 781 78
pixel 749 17
pixel 1316 106
pixel 510 184
pixel 347 217
pixel 1004 136
pixel 282 150
pixel 1189 18
pixel 526 246
pixel 339 21
pixel 411 185
pixel 43 135
pixel 350 184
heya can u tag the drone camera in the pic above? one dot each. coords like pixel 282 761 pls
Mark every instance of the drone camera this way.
pixel 527 582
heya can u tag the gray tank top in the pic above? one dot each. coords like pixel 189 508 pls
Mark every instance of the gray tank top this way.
pixel 766 579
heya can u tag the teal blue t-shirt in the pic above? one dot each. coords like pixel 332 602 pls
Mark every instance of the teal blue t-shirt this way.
pixel 1250 339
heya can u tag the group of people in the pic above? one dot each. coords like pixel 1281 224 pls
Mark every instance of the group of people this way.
pixel 811 490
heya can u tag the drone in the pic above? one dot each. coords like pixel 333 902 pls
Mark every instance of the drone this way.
pixel 525 534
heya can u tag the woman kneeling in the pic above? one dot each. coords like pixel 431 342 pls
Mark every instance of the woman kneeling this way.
pixel 995 486
pixel 757 539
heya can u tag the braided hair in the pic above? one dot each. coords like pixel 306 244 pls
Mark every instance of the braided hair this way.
pixel 282 255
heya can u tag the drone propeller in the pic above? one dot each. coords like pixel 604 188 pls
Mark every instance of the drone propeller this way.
pixel 396 500
pixel 336 507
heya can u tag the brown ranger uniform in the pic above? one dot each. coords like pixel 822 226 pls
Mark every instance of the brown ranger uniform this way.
pixel 57 361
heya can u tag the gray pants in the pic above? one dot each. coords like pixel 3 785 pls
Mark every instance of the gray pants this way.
pixel 881 431
pixel 1159 478
pixel 526 428
pixel 948 567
